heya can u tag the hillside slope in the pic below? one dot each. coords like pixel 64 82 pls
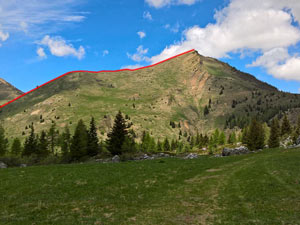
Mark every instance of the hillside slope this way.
pixel 7 91
pixel 177 90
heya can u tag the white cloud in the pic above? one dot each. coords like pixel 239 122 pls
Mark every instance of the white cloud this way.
pixel 139 55
pixel 3 36
pixel 105 52
pixel 259 26
pixel 147 15
pixel 174 29
pixel 35 17
pixel 141 34
pixel 162 3
pixel 290 70
pixel 59 47
pixel 132 66
pixel 41 53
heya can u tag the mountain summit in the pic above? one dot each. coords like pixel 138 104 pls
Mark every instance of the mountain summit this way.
pixel 186 94
pixel 8 91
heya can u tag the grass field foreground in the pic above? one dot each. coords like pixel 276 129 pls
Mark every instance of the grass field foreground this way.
pixel 260 188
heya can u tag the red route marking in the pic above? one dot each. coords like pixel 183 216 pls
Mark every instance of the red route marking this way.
pixel 86 71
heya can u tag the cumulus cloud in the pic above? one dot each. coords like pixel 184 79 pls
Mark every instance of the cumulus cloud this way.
pixel 260 26
pixel 162 3
pixel 41 53
pixel 141 34
pixel 59 47
pixel 139 56
pixel 105 52
pixel 147 15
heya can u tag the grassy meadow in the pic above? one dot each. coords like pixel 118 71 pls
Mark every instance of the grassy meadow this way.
pixel 260 188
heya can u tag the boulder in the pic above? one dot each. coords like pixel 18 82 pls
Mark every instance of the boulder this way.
pixel 23 165
pixel 116 159
pixel 235 151
pixel 3 165
pixel 191 156
pixel 298 141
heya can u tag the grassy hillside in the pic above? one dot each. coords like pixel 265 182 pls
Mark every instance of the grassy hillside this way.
pixel 260 188
pixel 177 90
pixel 8 92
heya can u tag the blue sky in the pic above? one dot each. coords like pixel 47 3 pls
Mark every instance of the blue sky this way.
pixel 42 39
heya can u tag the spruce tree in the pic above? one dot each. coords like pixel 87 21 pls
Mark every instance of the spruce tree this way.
pixel 31 143
pixel 53 135
pixel 222 138
pixel 93 141
pixel 78 148
pixel 232 138
pixel 65 141
pixel 117 136
pixel 166 145
pixel 3 142
pixel 43 145
pixel 159 146
pixel 256 136
pixel 274 140
pixel 16 147
pixel 286 126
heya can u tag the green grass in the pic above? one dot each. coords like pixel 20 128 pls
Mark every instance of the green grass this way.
pixel 261 188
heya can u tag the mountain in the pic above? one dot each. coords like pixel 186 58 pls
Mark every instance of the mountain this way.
pixel 197 93
pixel 8 92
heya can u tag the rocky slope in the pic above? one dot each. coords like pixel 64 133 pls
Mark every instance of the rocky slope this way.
pixel 7 91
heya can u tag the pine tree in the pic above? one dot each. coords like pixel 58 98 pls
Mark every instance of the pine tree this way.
pixel 16 147
pixel 78 148
pixel 117 136
pixel 286 126
pixel 206 110
pixel 53 135
pixel 65 141
pixel 256 136
pixel 93 141
pixel 232 138
pixel 159 146
pixel 274 140
pixel 128 145
pixel 222 138
pixel 3 142
pixel 166 145
pixel 43 145
pixel 31 143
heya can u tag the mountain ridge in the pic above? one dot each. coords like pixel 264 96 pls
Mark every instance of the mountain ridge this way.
pixel 197 93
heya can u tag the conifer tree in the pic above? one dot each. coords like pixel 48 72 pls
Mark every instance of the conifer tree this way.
pixel 65 141
pixel 286 126
pixel 222 138
pixel 256 136
pixel 16 147
pixel 3 142
pixel 166 145
pixel 78 148
pixel 117 136
pixel 43 145
pixel 232 138
pixel 53 135
pixel 31 143
pixel 159 146
pixel 129 145
pixel 274 140
pixel 93 141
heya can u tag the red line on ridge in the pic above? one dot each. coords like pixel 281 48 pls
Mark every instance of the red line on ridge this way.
pixel 101 71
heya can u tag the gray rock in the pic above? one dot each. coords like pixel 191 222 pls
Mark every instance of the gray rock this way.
pixel 235 151
pixel 3 165
pixel 116 159
pixel 191 156
pixel 23 165
pixel 298 141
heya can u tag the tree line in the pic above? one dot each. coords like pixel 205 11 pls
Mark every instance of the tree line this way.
pixel 85 143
